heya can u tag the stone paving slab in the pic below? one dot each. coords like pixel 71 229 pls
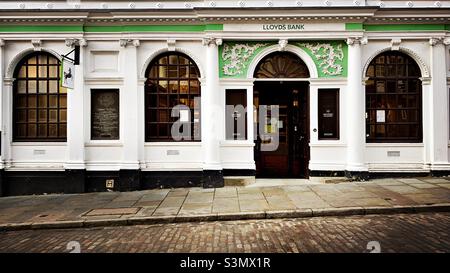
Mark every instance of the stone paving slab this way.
pixel 226 204
pixel 195 208
pixel 97 212
pixel 444 185
pixel 197 204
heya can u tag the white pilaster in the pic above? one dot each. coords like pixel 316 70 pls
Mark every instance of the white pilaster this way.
pixel 355 108
pixel 211 110
pixel 2 43
pixel 129 102
pixel 75 112
pixel 7 124
pixel 141 122
pixel 439 119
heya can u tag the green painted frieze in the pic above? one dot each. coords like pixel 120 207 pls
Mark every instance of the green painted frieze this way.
pixel 330 57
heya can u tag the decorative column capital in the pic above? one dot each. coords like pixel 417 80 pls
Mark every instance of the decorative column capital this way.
pixel 2 42
pixel 364 81
pixel 212 41
pixel 8 81
pixel 282 43
pixel 72 42
pixel 357 40
pixel 37 44
pixel 425 80
pixel 129 42
pixel 439 41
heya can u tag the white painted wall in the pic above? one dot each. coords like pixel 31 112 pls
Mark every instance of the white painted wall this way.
pixel 107 65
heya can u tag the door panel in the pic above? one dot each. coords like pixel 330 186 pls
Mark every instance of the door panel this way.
pixel 291 157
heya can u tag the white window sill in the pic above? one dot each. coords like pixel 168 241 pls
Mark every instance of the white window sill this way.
pixel 175 143
pixel 38 144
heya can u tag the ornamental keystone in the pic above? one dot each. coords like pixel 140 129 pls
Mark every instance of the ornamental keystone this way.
pixel 395 44
pixel 171 44
pixel 282 43
pixel 37 44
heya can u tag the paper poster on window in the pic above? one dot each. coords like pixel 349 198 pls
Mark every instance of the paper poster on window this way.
pixel 381 116
pixel 184 115
pixel 280 124
pixel 68 74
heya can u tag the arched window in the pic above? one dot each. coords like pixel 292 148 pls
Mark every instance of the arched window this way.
pixel 281 65
pixel 393 99
pixel 39 102
pixel 172 79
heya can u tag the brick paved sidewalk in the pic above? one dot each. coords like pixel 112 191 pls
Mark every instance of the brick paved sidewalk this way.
pixel 229 203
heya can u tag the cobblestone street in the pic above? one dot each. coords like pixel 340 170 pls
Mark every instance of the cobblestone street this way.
pixel 425 232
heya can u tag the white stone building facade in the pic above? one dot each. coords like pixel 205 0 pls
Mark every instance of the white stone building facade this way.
pixel 363 87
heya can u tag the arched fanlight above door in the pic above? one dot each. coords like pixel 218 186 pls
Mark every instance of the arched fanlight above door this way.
pixel 281 65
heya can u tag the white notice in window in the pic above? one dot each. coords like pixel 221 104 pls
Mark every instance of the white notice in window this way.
pixel 381 116
pixel 184 115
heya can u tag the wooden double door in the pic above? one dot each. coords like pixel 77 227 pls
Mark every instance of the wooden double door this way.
pixel 290 158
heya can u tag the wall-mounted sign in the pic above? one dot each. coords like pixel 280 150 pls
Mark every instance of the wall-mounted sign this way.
pixel 68 74
pixel 105 114
pixel 285 27
pixel 281 27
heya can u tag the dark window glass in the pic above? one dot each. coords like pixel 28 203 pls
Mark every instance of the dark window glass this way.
pixel 104 114
pixel 40 108
pixel 236 120
pixel 172 79
pixel 393 99
pixel 328 100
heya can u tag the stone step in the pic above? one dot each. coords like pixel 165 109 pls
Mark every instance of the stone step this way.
pixel 238 180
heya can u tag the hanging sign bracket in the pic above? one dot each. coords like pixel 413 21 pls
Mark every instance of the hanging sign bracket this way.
pixel 76 58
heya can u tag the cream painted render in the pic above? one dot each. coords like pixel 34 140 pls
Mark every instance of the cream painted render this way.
pixel 119 60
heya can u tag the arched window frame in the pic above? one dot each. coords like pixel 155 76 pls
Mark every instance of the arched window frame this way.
pixel 39 101
pixel 159 103
pixel 292 66
pixel 393 94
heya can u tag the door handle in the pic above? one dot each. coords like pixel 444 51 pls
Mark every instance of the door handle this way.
pixel 301 137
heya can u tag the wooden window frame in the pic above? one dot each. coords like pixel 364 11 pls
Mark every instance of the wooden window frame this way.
pixel 61 135
pixel 154 123
pixel 244 93
pixel 320 120
pixel 372 95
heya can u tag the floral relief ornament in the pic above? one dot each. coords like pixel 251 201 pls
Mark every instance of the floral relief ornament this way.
pixel 236 57
pixel 327 56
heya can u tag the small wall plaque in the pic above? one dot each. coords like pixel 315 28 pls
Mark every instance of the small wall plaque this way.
pixel 173 152
pixel 393 153
pixel 109 183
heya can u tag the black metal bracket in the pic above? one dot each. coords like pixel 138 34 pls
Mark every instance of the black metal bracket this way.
pixel 76 58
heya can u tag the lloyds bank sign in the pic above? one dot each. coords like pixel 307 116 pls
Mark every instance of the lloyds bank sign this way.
pixel 283 27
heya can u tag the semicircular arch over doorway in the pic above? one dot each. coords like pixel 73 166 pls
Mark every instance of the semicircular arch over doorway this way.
pixel 281 65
